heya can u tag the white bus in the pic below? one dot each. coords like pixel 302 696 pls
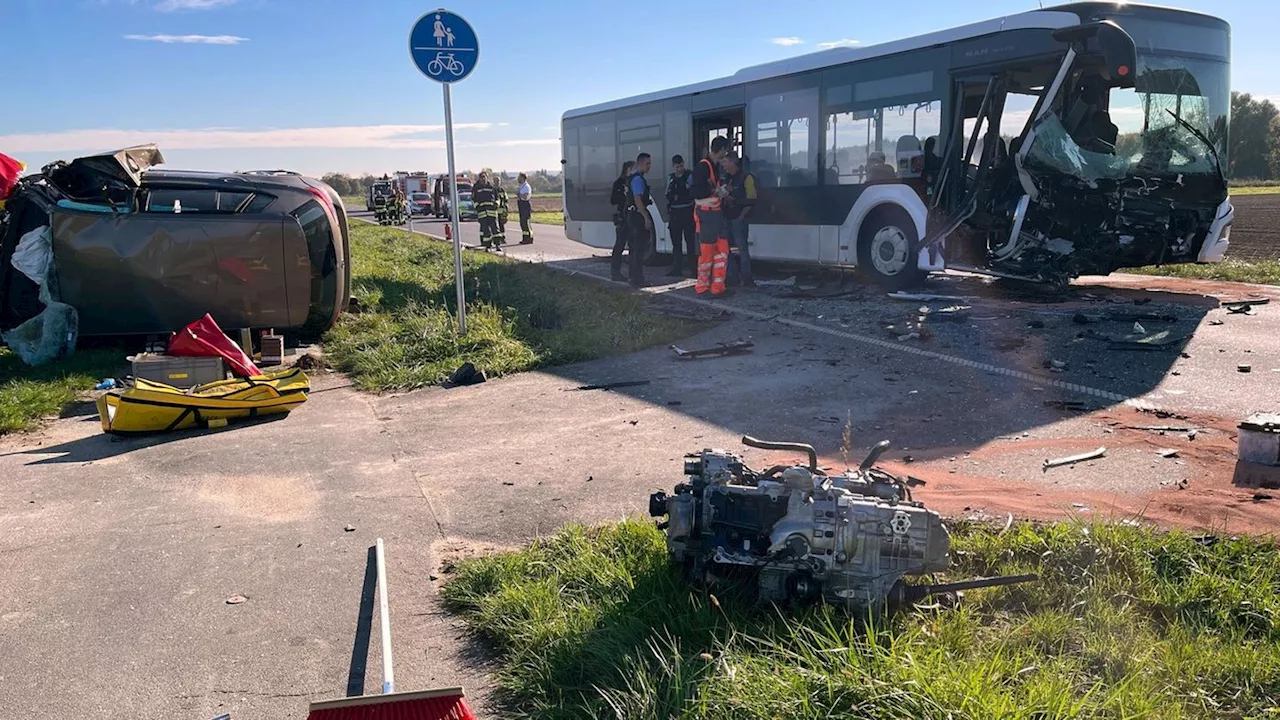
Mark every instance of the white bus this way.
pixel 1073 140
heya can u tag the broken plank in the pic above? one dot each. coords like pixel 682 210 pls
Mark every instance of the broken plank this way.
pixel 1073 459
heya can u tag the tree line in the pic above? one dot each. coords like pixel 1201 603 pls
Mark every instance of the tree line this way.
pixel 541 181
pixel 1253 151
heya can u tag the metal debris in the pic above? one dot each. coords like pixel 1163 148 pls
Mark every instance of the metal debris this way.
pixel 1073 459
pixel 1244 368
pixel 1167 453
pixel 236 599
pixel 720 350
pixel 613 385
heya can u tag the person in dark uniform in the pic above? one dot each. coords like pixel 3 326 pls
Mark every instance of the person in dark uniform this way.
pixel 618 198
pixel 486 200
pixel 639 221
pixel 503 208
pixel 680 212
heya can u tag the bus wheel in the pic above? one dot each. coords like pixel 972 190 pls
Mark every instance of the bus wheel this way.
pixel 884 248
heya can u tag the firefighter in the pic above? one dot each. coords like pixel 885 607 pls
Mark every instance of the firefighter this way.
pixel 503 209
pixel 741 199
pixel 680 212
pixel 639 221
pixel 486 211
pixel 618 199
pixel 713 240
pixel 524 205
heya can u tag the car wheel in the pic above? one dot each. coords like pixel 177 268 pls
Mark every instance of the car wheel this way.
pixel 884 248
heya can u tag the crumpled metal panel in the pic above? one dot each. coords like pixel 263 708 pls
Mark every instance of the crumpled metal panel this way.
pixel 140 273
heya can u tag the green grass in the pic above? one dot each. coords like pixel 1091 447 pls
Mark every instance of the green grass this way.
pixel 548 218
pixel 1256 190
pixel 1264 272
pixel 520 316
pixel 29 395
pixel 353 201
pixel 1125 623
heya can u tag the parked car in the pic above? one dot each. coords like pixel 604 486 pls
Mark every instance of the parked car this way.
pixel 140 250
pixel 466 206
pixel 419 203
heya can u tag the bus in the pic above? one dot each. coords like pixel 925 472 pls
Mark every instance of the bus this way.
pixel 1074 140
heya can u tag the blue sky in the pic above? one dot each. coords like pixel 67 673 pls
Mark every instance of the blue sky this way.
pixel 327 85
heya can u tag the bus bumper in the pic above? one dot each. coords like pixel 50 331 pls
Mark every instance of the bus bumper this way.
pixel 1218 238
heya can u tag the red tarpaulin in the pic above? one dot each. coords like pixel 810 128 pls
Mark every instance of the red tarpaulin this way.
pixel 203 338
pixel 10 171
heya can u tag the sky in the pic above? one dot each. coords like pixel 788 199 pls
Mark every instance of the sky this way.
pixel 322 86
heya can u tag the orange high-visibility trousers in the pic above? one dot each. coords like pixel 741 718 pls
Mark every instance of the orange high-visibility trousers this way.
pixel 719 265
pixel 709 227
pixel 706 260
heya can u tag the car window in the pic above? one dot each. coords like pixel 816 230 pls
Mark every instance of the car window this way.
pixel 230 201
pixel 315 225
pixel 259 203
pixel 187 200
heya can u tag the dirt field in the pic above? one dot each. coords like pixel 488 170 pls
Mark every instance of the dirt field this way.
pixel 554 204
pixel 1255 235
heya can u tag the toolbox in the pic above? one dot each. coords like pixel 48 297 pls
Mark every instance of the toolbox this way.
pixel 180 372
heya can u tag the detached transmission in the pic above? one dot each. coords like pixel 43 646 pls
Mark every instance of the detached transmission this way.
pixel 803 535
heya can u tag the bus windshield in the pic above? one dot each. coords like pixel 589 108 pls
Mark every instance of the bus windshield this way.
pixel 1193 89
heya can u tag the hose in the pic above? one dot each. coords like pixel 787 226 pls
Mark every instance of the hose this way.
pixel 794 447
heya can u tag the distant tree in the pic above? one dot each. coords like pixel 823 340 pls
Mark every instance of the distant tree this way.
pixel 1254 141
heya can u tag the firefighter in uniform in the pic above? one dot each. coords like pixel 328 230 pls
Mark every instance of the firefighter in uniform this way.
pixel 618 199
pixel 503 209
pixel 486 201
pixel 639 221
pixel 524 204
pixel 680 212
pixel 713 239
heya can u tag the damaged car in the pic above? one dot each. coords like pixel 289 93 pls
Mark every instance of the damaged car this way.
pixel 138 250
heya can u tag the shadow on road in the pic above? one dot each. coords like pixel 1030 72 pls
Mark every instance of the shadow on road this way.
pixel 101 446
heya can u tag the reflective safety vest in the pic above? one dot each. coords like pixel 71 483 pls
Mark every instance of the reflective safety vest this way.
pixel 713 202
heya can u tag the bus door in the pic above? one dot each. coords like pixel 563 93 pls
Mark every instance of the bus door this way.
pixel 729 123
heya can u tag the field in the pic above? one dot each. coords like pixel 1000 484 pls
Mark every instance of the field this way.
pixel 520 316
pixel 1125 622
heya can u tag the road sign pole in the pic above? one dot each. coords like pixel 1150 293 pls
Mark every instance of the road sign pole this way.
pixel 453 213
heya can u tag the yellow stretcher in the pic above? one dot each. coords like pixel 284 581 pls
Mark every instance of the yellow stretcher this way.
pixel 155 407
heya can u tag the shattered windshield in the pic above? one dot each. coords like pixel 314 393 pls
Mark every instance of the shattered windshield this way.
pixel 1054 149
pixel 1195 90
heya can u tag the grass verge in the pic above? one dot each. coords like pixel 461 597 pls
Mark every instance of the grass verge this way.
pixel 1263 272
pixel 1256 190
pixel 29 395
pixel 1126 623
pixel 547 218
pixel 520 316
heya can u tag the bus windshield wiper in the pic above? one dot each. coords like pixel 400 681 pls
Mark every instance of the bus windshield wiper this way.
pixel 1217 162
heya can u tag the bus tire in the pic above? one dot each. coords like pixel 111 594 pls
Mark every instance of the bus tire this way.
pixel 884 248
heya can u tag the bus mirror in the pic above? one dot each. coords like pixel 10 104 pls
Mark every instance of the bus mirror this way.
pixel 1109 40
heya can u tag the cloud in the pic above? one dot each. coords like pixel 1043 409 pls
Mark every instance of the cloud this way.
pixel 787 41
pixel 405 137
pixel 175 5
pixel 190 39
pixel 843 42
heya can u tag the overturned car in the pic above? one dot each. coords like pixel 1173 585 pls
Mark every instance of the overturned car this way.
pixel 137 250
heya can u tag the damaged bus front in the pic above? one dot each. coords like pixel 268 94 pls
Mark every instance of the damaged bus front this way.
pixel 1106 154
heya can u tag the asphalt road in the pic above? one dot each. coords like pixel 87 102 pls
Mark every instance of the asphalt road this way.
pixel 549 241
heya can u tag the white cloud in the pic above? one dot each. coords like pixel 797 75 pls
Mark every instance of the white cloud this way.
pixel 190 39
pixel 173 5
pixel 843 42
pixel 405 137
pixel 787 41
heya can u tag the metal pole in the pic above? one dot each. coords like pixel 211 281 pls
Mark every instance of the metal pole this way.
pixel 388 675
pixel 453 208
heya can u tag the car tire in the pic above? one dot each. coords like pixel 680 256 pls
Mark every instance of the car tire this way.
pixel 884 248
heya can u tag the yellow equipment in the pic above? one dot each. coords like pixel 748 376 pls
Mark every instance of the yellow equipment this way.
pixel 150 406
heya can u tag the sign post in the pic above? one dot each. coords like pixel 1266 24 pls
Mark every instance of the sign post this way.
pixel 445 48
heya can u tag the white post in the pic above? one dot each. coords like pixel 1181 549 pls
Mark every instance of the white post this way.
pixel 388 674
pixel 453 212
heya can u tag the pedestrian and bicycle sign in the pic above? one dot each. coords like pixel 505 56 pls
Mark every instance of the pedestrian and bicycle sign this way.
pixel 445 49
pixel 443 46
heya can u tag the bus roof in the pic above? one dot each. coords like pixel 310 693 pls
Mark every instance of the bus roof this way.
pixel 1051 18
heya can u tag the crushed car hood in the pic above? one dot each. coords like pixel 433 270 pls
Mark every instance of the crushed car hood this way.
pixel 125 165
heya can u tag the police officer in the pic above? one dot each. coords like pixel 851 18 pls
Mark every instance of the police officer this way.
pixel 639 221
pixel 618 198
pixel 680 212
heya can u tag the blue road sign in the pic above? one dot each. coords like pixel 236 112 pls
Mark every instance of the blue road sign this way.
pixel 443 46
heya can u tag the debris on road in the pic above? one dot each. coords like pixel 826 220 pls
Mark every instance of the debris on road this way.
pixel 1183 484
pixel 1073 459
pixel 1167 453
pixel 1245 307
pixel 1244 368
pixel 236 599
pixel 1162 340
pixel 349 528
pixel 465 375
pixel 614 385
pixel 926 297
pixel 720 350
pixel 788 282
pixel 1259 440
pixel 1262 497
pixel 1216 322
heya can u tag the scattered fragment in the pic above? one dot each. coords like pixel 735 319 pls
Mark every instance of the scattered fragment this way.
pixel 1183 484
pixel 908 458
pixel 1058 364
pixel 236 599
pixel 1262 497
pixel 590 478
pixel 1081 507
pixel 1240 309
pixel 1137 328
pixel 926 297
pixel 1008 523
pixel 1130 522
pixel 1160 428
pixel 613 385
pixel 508 483
pixel 915 481
pixel 1191 434
pixel 1215 322
pixel 465 375
pixel 909 336
pixel 721 350
pixel 349 528
pixel 1244 368
pixel 1073 459
pixel 1167 453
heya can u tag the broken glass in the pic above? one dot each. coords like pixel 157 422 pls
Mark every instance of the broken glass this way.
pixel 1054 149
